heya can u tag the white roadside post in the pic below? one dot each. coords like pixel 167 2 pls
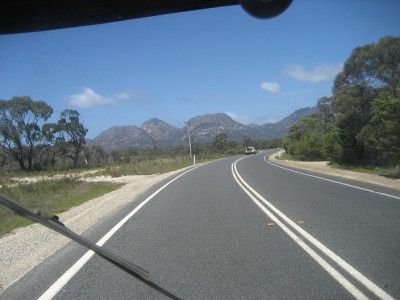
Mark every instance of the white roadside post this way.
pixel 194 159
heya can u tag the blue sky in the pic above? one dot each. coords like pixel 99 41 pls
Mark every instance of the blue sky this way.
pixel 178 66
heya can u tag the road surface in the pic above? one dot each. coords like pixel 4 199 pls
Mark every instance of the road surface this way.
pixel 238 228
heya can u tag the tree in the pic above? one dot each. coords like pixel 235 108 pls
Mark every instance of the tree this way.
pixel 331 148
pixel 4 157
pixel 375 66
pixel 311 139
pixel 360 124
pixel 202 148
pixel 119 156
pixel 233 147
pixel 247 141
pixel 325 109
pixel 381 136
pixel 71 139
pixel 20 129
pixel 100 155
pixel 303 139
pixel 219 143
pixel 50 134
pixel 370 70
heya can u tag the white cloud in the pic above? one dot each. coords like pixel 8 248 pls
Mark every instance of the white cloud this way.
pixel 246 119
pixel 271 87
pixel 89 98
pixel 315 74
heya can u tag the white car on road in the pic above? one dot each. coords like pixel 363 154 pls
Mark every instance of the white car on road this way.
pixel 251 150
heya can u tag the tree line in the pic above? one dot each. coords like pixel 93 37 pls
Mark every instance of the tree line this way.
pixel 360 123
pixel 219 145
pixel 28 140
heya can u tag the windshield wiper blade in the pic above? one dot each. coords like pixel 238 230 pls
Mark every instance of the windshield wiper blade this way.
pixel 53 223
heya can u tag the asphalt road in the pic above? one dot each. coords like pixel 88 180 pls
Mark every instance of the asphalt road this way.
pixel 240 228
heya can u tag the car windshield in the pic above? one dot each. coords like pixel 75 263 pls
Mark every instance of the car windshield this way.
pixel 114 111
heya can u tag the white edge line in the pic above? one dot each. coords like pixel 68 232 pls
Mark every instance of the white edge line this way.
pixel 63 280
pixel 323 263
pixel 330 180
pixel 343 264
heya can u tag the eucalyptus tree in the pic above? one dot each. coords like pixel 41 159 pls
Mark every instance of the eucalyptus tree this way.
pixel 71 135
pixel 371 70
pixel 20 128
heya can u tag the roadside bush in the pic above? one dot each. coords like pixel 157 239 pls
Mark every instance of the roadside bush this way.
pixel 394 173
pixel 307 149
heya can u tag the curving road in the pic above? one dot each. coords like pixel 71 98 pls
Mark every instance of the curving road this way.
pixel 239 228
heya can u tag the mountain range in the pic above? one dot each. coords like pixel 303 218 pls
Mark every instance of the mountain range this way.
pixel 157 133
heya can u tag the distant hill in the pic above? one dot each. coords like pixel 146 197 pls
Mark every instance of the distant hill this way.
pixel 252 125
pixel 122 137
pixel 161 131
pixel 279 129
pixel 156 132
pixel 204 128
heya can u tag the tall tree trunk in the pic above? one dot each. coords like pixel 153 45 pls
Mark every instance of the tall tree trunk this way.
pixel 76 159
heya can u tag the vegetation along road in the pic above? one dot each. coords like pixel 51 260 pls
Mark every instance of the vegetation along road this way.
pixel 238 228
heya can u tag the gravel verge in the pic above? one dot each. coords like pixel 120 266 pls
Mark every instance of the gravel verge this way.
pixel 323 167
pixel 24 248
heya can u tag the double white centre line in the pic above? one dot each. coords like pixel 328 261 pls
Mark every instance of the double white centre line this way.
pixel 290 227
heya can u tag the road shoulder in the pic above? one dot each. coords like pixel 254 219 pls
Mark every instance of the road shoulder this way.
pixel 323 168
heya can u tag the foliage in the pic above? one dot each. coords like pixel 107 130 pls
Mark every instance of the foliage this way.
pixel 68 135
pixel 247 141
pixel 311 138
pixel 360 124
pixel 331 145
pixel 220 142
pixel 325 109
pixel 371 70
pixel 20 129
pixel 381 136
pixel 26 139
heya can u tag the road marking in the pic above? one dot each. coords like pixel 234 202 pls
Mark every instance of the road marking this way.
pixel 256 197
pixel 63 280
pixel 330 180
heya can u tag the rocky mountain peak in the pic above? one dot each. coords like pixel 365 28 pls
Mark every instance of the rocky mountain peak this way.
pixel 218 118
pixel 207 126
pixel 158 129
pixel 122 137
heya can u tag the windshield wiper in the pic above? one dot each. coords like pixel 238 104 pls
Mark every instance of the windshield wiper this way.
pixel 53 223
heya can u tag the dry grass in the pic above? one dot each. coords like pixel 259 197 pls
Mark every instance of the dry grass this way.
pixel 49 196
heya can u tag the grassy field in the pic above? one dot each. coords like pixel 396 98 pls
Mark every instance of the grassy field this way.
pixel 57 195
pixel 153 165
pixel 147 166
pixel 50 197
